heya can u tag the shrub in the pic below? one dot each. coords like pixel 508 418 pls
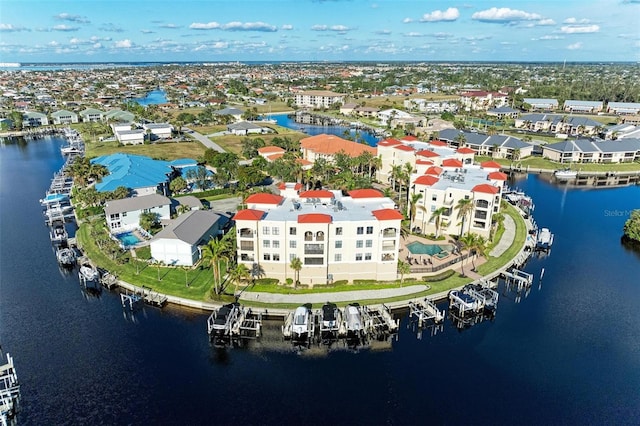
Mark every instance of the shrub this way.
pixel 440 277
pixel 289 281
pixel 267 281
pixel 340 282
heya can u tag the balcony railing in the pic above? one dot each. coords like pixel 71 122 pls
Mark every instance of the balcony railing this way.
pixel 246 234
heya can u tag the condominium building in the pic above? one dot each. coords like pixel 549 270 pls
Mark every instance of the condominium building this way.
pixel 318 98
pixel 444 187
pixel 336 236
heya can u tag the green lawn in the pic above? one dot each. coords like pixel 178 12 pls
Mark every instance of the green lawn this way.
pixel 165 151
pixel 232 143
pixel 194 284
pixel 494 263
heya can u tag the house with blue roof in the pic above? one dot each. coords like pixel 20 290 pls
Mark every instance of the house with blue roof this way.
pixel 497 146
pixel 593 151
pixel 142 175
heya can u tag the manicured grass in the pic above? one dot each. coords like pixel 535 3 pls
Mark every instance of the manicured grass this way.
pixel 494 263
pixel 232 143
pixel 543 163
pixel 172 281
pixel 165 151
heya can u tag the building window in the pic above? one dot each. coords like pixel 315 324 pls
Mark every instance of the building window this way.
pixel 339 230
pixel 367 256
pixel 358 257
pixel 246 245
pixel 292 230
pixel 275 231
pixel 308 236
pixel 434 197
pixel 275 244
pixel 292 256
pixel 369 243
pixel 359 244
pixel 293 244
pixel 266 243
pixel 360 230
pixel 369 230
pixel 124 214
pixel 338 244
pixel 313 248
pixel 276 257
pixel 319 236
pixel 265 230
pixel 338 257
pixel 266 256
pixel 313 261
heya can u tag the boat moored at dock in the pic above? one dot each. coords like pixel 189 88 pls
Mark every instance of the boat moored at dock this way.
pixel 544 239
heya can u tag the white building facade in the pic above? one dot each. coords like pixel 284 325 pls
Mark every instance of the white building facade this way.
pixel 124 215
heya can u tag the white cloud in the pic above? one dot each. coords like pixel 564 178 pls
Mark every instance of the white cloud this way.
pixel 579 29
pixel 287 27
pixel 450 14
pixel 234 26
pixel 72 18
pixel 414 34
pixel 575 46
pixel 337 28
pixel 123 44
pixel 63 27
pixel 320 28
pixel 504 14
pixel 170 26
pixel 147 32
pixel 407 20
pixel 97 46
pixel 383 32
pixel 550 37
pixel 11 28
pixel 53 43
pixel 546 22
pixel 575 21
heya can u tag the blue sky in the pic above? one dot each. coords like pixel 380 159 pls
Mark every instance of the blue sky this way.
pixel 281 30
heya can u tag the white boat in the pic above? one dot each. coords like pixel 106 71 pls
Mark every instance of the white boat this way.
pixel 353 319
pixel 331 319
pixel 565 174
pixel 302 325
pixel 544 239
pixel 222 320
pixel 88 273
pixel 71 149
pixel 58 233
pixel 66 256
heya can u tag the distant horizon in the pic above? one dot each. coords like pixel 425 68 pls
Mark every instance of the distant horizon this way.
pixel 353 61
pixel 59 31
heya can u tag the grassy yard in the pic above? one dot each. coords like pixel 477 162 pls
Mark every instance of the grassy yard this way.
pixel 232 143
pixel 194 284
pixel 494 263
pixel 165 150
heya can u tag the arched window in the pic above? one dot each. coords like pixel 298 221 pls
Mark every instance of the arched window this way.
pixel 308 236
pixel 319 236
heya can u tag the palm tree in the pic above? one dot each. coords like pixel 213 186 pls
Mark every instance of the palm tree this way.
pixel 461 139
pixel 464 207
pixel 214 251
pixel 403 269
pixel 296 265
pixel 479 246
pixel 516 153
pixel 396 172
pixel 238 273
pixel 466 242
pixel 437 214
pixel 415 198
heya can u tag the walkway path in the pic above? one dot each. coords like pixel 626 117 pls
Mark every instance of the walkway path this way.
pixel 507 237
pixel 342 296
pixel 203 140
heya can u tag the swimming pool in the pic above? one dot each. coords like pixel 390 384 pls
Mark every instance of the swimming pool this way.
pixel 128 239
pixel 417 247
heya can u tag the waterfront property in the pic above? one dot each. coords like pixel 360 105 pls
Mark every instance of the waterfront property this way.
pixel 589 151
pixel 498 146
pixel 124 215
pixel 559 124
pixel 158 130
pixel 327 146
pixel 64 117
pixel 178 243
pixel 442 189
pixel 318 98
pixel 336 236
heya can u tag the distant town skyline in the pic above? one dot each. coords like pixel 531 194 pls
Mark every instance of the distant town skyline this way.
pixel 319 30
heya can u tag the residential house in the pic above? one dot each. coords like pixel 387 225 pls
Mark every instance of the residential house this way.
pixel 503 112
pixel 244 128
pixel 624 150
pixel 179 242
pixel 623 108
pixel 124 215
pixel 233 112
pixel 590 107
pixel 64 117
pixel 158 130
pixel 498 146
pixel 326 146
pixel 542 104
pixel 91 115
pixel 34 119
pixel 318 99
pixel 478 100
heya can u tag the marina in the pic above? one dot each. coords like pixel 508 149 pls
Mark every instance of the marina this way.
pixel 9 390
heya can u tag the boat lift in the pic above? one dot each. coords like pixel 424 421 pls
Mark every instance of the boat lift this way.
pixel 520 278
pixel 9 391
pixel 464 303
pixel 487 296
pixel 379 321
pixel 425 310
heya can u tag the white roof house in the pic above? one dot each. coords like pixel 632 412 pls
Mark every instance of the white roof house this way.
pixel 64 117
pixel 159 130
pixel 124 215
pixel 178 243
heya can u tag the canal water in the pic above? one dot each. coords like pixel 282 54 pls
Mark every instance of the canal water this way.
pixel 154 97
pixel 567 353
pixel 287 120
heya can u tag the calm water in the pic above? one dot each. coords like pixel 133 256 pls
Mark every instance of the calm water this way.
pixel 154 97
pixel 567 353
pixel 285 121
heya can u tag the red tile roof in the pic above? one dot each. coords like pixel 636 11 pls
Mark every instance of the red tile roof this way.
pixel 426 180
pixel 331 144
pixel 490 165
pixel 433 170
pixel 387 214
pixel 438 143
pixel 270 149
pixel 316 193
pixel 497 176
pixel 264 198
pixel 314 218
pixel 424 162
pixel 410 138
pixel 486 188
pixel 296 186
pixel 427 153
pixel 465 150
pixel 406 148
pixel 389 142
pixel 452 162
pixel 249 214
pixel 365 193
